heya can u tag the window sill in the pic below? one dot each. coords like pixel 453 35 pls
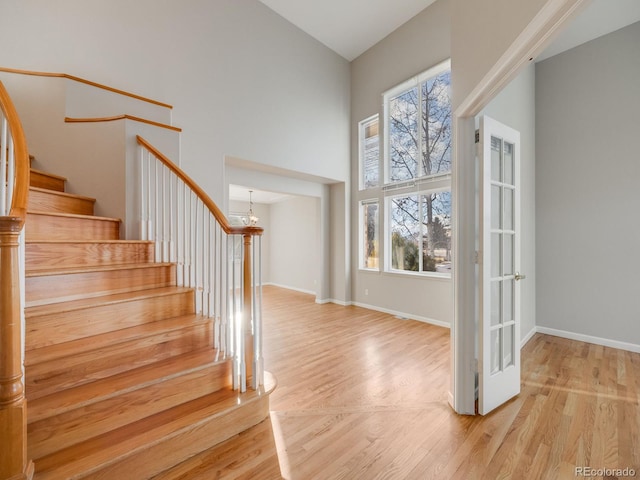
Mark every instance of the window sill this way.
pixel 424 275
pixel 369 270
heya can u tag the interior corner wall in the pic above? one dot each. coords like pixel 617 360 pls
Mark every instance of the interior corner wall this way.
pixel 419 44
pixel 587 195
pixel 515 107
pixel 243 81
pixel 340 248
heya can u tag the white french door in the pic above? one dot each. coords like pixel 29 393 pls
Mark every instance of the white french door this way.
pixel 499 263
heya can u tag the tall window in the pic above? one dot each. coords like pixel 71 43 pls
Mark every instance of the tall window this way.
pixel 369 244
pixel 418 120
pixel 369 153
pixel 415 186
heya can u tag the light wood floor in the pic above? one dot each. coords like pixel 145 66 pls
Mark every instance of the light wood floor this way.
pixel 362 395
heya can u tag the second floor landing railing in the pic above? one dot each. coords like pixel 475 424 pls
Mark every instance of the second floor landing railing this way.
pixel 219 261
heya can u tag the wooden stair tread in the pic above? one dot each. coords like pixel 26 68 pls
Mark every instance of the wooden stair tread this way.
pixel 73 215
pixel 103 340
pixel 87 420
pixel 46 180
pixel 42 272
pixel 52 175
pixel 62 194
pixel 49 225
pixel 44 253
pixel 115 385
pixel 122 378
pixel 54 285
pixel 131 439
pixel 72 242
pixel 61 307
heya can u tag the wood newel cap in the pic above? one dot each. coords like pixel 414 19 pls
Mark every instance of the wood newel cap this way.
pixel 11 224
pixel 246 231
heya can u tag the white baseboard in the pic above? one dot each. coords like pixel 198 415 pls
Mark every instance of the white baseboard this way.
pixel 295 289
pixel 605 342
pixel 403 315
pixel 368 307
pixel 528 337
pixel 333 300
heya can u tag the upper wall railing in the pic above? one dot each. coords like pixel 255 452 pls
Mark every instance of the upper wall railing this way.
pixel 14 190
pixel 86 82
pixel 219 261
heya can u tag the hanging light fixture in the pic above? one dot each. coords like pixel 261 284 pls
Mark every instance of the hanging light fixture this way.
pixel 252 220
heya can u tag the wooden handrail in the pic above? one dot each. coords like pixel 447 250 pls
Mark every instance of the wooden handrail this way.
pixel 87 82
pixel 242 337
pixel 21 155
pixel 121 117
pixel 206 200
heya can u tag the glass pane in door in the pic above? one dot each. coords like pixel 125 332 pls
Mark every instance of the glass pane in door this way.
pixel 496 159
pixel 508 164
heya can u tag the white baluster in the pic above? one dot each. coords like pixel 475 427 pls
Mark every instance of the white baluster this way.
pixel 5 203
pixel 10 172
pixel 148 181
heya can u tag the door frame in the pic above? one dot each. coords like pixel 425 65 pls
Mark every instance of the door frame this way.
pixel 552 17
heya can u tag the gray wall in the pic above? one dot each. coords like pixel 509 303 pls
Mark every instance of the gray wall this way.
pixel 419 44
pixel 587 190
pixel 515 107
pixel 244 82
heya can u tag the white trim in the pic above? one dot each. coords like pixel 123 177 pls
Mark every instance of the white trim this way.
pixel 288 287
pixel 528 337
pixel 333 300
pixel 407 316
pixel 605 342
pixel 418 79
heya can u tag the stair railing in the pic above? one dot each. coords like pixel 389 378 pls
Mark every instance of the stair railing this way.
pixel 14 190
pixel 221 262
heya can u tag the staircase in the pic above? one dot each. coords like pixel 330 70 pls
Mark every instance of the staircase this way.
pixel 122 377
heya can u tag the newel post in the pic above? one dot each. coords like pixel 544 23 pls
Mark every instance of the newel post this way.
pixel 14 464
pixel 247 310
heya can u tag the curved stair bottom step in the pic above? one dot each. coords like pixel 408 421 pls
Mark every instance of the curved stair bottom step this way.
pixel 126 455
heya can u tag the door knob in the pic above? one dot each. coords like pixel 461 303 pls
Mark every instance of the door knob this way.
pixel 520 277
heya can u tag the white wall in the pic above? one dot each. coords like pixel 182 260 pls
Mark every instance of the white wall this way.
pixel 587 195
pixel 243 81
pixel 294 243
pixel 515 107
pixel 419 44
